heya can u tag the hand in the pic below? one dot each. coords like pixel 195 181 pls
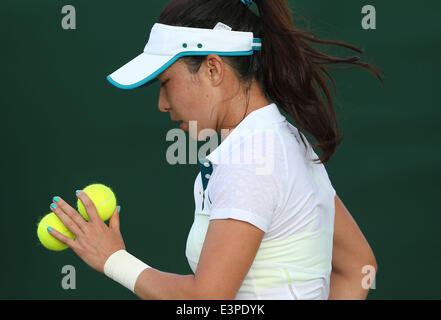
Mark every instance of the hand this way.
pixel 94 241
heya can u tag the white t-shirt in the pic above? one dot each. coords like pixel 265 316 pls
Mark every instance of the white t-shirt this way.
pixel 262 174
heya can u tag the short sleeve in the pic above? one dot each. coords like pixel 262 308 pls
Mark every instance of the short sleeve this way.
pixel 239 193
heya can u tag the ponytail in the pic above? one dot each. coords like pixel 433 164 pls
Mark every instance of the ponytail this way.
pixel 294 72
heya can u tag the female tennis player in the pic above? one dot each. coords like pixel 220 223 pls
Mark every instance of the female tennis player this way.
pixel 281 233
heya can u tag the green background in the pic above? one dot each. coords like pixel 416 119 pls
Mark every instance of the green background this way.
pixel 64 126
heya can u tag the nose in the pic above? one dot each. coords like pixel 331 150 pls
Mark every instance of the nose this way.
pixel 163 105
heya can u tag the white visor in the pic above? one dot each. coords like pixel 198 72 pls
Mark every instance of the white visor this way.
pixel 169 43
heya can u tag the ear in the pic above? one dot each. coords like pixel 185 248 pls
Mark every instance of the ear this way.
pixel 215 68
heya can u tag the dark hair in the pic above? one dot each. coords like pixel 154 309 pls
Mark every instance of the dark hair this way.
pixel 288 69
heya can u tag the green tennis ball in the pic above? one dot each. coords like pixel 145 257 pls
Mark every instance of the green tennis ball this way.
pixel 103 198
pixel 46 239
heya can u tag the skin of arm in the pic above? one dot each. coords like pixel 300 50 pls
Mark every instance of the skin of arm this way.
pixel 229 250
pixel 351 252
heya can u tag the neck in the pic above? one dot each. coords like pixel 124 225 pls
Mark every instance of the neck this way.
pixel 239 108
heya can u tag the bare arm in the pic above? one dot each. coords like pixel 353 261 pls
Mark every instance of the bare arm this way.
pixel 229 250
pixel 351 252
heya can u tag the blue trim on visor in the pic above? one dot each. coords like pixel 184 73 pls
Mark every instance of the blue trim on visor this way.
pixel 173 60
pixel 257 48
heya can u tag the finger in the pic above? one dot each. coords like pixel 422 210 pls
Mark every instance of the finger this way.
pixel 61 237
pixel 114 220
pixel 89 206
pixel 67 221
pixel 70 212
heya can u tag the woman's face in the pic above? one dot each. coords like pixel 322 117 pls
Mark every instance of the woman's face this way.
pixel 188 98
pixel 211 99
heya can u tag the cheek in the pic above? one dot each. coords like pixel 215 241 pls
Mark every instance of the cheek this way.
pixel 181 96
pixel 188 101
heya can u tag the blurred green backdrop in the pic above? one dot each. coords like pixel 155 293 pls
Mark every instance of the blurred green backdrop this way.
pixel 64 126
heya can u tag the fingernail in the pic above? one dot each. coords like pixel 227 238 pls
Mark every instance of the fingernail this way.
pixel 53 206
pixel 56 199
pixel 49 229
pixel 119 209
pixel 78 191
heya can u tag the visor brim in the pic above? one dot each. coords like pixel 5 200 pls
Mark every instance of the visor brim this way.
pixel 140 71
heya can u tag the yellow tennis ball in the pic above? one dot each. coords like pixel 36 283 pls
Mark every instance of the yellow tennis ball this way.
pixel 103 199
pixel 46 239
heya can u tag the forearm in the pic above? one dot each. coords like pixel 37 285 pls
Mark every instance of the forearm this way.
pixel 147 282
pixel 153 284
pixel 347 287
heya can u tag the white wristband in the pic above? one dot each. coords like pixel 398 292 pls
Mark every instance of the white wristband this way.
pixel 124 268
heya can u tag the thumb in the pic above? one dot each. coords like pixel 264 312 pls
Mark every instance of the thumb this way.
pixel 114 220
